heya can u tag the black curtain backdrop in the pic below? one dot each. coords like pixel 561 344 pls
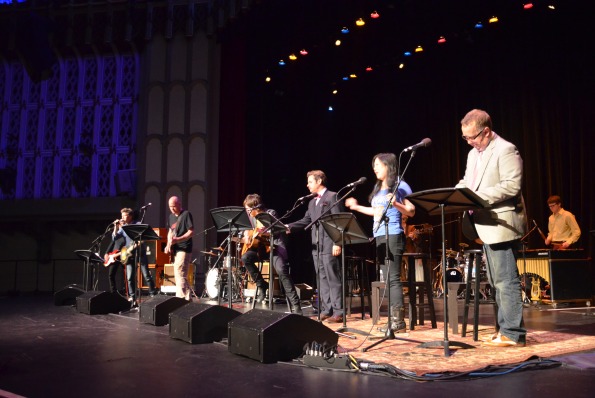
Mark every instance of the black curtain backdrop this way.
pixel 532 73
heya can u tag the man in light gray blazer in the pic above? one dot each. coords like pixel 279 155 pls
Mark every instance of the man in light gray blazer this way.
pixel 495 172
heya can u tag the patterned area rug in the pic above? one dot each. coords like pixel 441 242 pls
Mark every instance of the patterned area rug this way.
pixel 405 352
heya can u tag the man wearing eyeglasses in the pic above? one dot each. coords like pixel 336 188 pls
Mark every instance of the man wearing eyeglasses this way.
pixel 495 172
pixel 563 230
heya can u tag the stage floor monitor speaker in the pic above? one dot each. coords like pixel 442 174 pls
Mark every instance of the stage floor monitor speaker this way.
pixel 100 302
pixel 197 323
pixel 156 310
pixel 68 295
pixel 269 336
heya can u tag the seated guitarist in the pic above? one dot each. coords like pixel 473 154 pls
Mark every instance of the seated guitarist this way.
pixel 254 250
pixel 128 256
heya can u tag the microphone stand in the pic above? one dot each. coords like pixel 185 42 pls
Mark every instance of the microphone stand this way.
pixel 95 247
pixel 526 300
pixel 390 334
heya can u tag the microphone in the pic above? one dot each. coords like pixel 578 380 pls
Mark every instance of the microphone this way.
pixel 116 221
pixel 424 142
pixel 358 182
pixel 145 206
pixel 312 195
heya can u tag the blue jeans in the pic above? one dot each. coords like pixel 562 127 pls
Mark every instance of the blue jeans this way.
pixel 131 277
pixel 503 275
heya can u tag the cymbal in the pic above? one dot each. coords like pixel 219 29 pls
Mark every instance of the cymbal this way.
pixel 449 252
pixel 209 253
pixel 463 245
pixel 219 248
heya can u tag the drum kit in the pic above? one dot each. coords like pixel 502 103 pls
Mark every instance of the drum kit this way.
pixel 457 268
pixel 216 277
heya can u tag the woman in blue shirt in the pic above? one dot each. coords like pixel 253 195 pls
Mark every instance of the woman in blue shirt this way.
pixel 385 168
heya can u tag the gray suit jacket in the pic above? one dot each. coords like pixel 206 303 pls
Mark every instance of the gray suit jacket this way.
pixel 498 181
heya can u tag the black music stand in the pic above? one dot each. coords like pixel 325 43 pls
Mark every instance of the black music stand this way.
pixel 230 219
pixel 442 201
pixel 90 258
pixel 344 229
pixel 272 225
pixel 139 233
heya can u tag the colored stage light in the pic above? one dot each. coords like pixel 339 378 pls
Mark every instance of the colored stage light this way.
pixel 360 22
pixel 374 15
pixel 441 39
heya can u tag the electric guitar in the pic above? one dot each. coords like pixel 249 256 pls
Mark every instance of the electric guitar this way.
pixel 120 255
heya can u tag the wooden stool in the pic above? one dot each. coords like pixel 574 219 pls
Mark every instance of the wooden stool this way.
pixel 357 283
pixel 475 255
pixel 417 290
pixel 377 292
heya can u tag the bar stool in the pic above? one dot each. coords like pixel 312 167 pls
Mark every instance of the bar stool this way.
pixel 475 254
pixel 378 288
pixel 417 290
pixel 357 283
pixel 263 268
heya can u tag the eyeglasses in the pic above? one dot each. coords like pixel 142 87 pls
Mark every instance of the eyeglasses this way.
pixel 552 205
pixel 472 138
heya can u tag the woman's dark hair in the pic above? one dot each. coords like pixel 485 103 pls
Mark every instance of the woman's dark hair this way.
pixel 390 161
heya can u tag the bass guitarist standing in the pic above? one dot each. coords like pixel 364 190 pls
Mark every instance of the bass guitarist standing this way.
pixel 179 244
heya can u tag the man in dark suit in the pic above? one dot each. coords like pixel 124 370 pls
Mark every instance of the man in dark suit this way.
pixel 325 252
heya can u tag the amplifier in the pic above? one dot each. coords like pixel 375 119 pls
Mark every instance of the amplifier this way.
pixel 167 278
